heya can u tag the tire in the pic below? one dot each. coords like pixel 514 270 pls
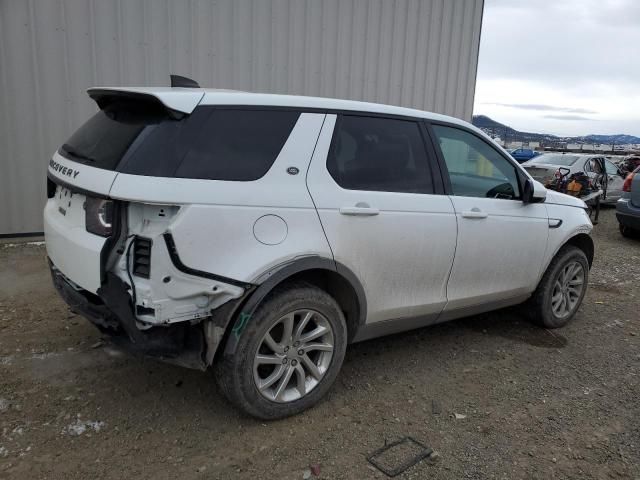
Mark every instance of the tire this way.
pixel 542 308
pixel 240 375
pixel 627 232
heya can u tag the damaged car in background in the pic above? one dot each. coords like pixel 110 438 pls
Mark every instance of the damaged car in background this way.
pixel 261 234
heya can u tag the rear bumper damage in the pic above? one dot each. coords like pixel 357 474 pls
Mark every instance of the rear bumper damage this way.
pixel 191 344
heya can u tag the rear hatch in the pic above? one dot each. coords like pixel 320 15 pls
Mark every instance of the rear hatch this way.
pixel 544 167
pixel 542 173
pixel 78 216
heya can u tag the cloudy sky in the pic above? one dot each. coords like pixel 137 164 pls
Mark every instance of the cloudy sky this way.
pixel 567 67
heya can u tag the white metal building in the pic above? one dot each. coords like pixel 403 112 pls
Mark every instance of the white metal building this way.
pixel 416 53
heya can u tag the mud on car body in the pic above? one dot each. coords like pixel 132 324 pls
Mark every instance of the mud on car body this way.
pixel 260 234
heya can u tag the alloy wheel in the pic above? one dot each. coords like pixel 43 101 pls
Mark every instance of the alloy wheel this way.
pixel 293 356
pixel 567 289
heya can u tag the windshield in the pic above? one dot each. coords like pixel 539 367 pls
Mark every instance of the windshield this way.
pixel 556 159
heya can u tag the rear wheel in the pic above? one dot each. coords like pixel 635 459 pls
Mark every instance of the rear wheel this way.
pixel 289 354
pixel 627 232
pixel 561 290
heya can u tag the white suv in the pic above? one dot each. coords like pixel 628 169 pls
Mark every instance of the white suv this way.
pixel 260 234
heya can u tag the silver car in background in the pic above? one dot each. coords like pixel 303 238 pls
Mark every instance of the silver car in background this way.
pixel 544 167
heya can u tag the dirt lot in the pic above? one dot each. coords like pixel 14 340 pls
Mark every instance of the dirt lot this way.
pixel 537 403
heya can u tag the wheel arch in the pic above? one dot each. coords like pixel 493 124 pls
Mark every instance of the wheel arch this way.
pixel 334 278
pixel 585 243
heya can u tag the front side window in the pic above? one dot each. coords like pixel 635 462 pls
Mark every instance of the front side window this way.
pixel 379 154
pixel 611 168
pixel 475 168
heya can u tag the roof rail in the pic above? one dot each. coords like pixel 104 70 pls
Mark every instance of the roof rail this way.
pixel 183 82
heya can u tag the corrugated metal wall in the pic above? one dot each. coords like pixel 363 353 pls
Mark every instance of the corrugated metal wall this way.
pixel 418 53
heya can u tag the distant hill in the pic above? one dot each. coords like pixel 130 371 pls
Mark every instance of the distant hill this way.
pixel 507 133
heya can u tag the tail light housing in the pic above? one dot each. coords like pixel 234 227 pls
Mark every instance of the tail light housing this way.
pixel 626 186
pixel 99 216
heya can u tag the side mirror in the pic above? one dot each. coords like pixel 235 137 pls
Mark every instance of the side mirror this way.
pixel 534 192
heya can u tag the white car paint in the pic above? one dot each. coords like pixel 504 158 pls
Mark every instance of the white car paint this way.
pixel 417 255
pixel 504 247
pixel 183 100
pixel 374 246
pixel 74 251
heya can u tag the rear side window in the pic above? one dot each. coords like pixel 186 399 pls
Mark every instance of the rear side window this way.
pixel 210 144
pixel 237 144
pixel 379 154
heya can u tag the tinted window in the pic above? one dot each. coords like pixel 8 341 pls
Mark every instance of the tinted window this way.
pixel 103 140
pixel 237 144
pixel 475 168
pixel 381 154
pixel 211 143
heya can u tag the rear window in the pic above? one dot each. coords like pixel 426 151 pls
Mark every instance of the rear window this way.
pixel 211 143
pixel 103 140
pixel 556 159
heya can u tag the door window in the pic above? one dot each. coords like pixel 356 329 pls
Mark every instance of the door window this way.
pixel 379 154
pixel 594 165
pixel 475 168
pixel 611 168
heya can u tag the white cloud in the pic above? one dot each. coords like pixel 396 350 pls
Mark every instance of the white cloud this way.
pixel 575 56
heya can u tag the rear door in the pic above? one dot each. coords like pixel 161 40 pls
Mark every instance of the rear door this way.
pixel 501 240
pixel 373 186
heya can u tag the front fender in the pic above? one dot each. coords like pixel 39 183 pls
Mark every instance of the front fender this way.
pixel 575 229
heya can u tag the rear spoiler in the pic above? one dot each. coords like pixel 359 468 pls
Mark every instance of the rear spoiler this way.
pixel 178 101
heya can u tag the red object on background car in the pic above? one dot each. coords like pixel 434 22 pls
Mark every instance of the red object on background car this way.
pixel 626 186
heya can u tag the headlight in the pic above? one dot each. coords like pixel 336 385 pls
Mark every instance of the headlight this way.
pixel 99 216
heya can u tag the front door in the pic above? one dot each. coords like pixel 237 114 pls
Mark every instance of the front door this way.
pixel 501 240
pixel 615 181
pixel 373 187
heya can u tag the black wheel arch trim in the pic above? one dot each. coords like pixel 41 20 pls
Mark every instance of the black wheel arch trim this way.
pixel 275 277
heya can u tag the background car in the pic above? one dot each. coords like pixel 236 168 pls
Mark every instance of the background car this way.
pixel 628 207
pixel 523 154
pixel 627 164
pixel 544 167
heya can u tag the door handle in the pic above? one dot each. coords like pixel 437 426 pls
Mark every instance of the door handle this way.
pixel 361 209
pixel 474 213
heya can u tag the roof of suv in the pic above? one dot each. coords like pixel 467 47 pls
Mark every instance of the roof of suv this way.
pixel 186 99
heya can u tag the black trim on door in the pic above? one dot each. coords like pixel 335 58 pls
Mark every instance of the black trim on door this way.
pixel 439 159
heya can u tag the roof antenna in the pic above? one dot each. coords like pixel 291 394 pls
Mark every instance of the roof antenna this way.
pixel 183 82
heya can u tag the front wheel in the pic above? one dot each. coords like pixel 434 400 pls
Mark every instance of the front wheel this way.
pixel 561 290
pixel 289 354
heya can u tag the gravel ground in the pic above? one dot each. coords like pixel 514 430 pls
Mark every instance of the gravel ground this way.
pixel 530 403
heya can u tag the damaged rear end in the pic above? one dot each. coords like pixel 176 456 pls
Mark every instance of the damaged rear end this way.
pixel 113 257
